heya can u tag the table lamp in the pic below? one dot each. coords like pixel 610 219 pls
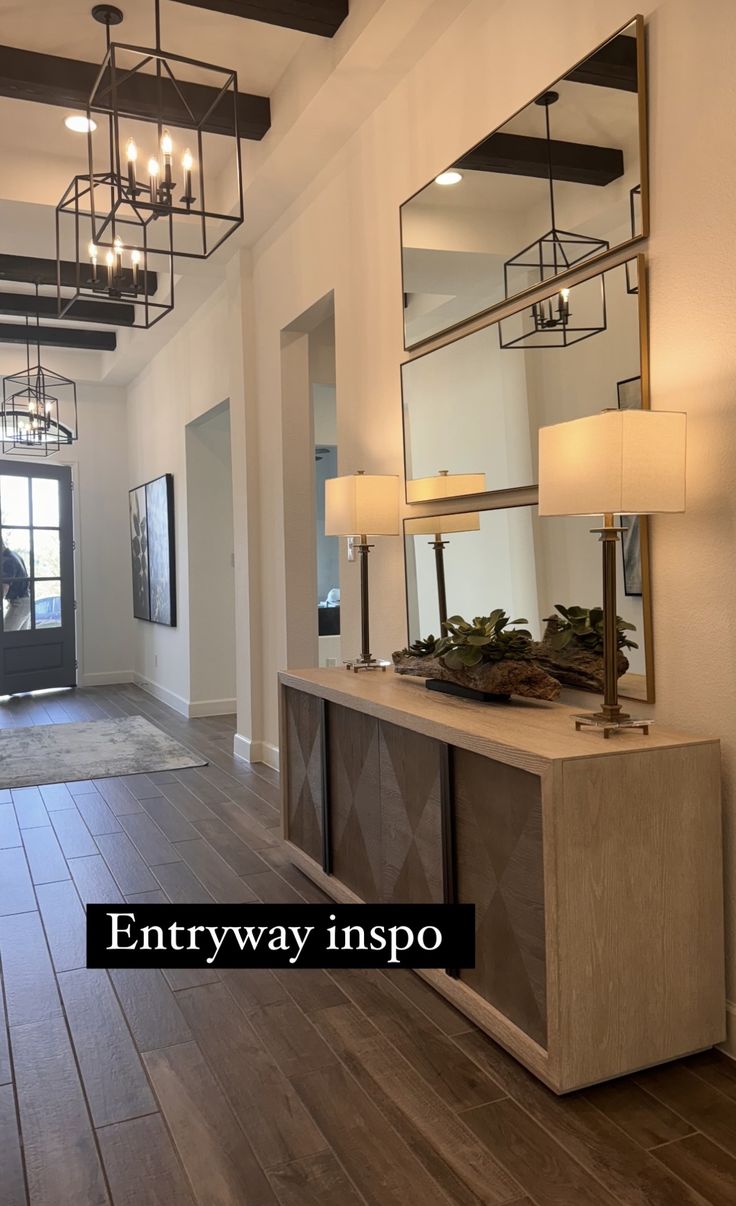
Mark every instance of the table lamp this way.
pixel 363 505
pixel 620 462
pixel 469 522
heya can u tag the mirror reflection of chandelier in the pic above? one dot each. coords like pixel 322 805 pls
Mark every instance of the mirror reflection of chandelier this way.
pixel 34 401
pixel 557 250
pixel 168 147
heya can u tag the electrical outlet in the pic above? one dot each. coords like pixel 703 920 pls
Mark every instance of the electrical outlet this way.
pixel 351 548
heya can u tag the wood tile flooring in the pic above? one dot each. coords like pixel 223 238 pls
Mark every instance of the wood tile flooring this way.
pixel 260 1088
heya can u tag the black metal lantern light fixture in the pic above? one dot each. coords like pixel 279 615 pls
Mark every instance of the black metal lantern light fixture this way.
pixel 557 250
pixel 134 284
pixel 35 400
pixel 632 271
pixel 563 318
pixel 167 147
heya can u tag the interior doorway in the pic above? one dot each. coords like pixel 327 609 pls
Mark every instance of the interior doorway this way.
pixel 323 393
pixel 211 563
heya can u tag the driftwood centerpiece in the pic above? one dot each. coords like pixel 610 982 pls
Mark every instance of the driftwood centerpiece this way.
pixel 486 657
pixel 571 649
pixel 490 678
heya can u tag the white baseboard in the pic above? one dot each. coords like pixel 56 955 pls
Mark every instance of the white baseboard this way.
pixel 256 751
pixel 212 707
pixel 177 702
pixel 107 678
pixel 192 709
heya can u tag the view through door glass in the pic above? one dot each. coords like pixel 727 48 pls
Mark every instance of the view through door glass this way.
pixel 37 641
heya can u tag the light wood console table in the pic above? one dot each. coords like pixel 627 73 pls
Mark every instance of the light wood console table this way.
pixel 595 866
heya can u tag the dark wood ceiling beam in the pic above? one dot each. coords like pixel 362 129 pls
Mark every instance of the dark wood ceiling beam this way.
pixel 61 337
pixel 51 80
pixel 37 270
pixel 613 66
pixel 115 314
pixel 322 17
pixel 519 155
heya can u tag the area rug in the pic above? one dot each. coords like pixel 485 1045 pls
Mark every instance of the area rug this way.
pixel 95 749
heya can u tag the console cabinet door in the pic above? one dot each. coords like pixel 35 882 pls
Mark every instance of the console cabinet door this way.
pixel 499 869
pixel 303 788
pixel 411 817
pixel 354 800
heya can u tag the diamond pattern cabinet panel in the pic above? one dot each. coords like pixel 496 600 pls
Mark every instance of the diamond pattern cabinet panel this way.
pixel 411 817
pixel 303 788
pixel 354 796
pixel 499 868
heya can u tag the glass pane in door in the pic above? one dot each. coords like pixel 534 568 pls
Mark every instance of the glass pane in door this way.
pixel 47 603
pixel 14 500
pixel 46 553
pixel 45 503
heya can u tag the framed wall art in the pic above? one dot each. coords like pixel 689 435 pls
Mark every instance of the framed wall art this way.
pixel 151 508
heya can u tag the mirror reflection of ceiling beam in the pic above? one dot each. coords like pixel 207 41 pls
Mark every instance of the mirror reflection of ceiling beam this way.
pixel 60 337
pixel 37 270
pixel 117 314
pixel 613 66
pixel 520 155
pixel 51 80
pixel 322 17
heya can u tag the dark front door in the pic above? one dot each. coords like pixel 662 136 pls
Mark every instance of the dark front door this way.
pixel 37 642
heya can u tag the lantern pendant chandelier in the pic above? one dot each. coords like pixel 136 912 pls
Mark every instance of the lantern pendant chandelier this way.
pixel 169 148
pixel 556 251
pixel 31 405
pixel 134 285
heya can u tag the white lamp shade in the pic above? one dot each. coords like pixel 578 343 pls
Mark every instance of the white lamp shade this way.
pixel 432 525
pixel 620 462
pixel 444 485
pixel 363 504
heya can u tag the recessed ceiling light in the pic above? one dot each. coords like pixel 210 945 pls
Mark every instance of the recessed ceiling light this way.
pixel 79 123
pixel 450 177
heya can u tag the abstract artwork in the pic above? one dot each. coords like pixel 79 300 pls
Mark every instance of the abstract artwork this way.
pixel 628 394
pixel 152 551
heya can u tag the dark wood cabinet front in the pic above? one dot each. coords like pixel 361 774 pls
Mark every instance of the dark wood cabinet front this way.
pixel 354 800
pixel 411 817
pixel 499 869
pixel 303 771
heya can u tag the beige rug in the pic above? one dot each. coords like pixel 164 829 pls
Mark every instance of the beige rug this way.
pixel 96 749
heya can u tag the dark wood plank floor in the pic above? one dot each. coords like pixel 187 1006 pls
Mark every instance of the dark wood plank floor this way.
pixel 260 1088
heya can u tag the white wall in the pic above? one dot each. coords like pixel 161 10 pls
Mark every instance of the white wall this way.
pixel 191 375
pixel 102 557
pixel 211 543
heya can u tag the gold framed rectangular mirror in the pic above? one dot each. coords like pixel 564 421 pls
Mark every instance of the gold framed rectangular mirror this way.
pixel 509 557
pixel 472 408
pixel 562 183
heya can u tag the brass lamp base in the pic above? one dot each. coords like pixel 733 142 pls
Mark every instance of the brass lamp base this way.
pixel 607 724
pixel 357 664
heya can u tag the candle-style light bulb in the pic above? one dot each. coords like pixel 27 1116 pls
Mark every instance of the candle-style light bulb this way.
pixel 109 260
pixel 564 304
pixel 153 174
pixel 93 260
pixel 135 259
pixel 187 163
pixel 131 151
pixel 167 148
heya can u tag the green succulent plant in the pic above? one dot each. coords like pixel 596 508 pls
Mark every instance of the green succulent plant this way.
pixel 426 647
pixel 584 627
pixel 487 639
